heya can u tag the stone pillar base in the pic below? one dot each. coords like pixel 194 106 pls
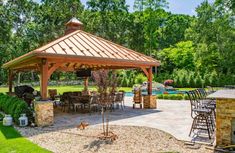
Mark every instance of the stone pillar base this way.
pixel 44 113
pixel 150 101
pixel 225 116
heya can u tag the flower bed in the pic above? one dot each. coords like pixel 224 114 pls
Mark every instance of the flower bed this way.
pixel 173 96
pixel 14 106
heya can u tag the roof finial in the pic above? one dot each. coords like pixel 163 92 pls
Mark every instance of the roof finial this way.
pixel 73 25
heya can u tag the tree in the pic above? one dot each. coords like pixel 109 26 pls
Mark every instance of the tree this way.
pixel 180 56
pixel 149 13
pixel 51 17
pixel 106 83
pixel 109 19
pixel 213 33
pixel 173 30
pixel 141 5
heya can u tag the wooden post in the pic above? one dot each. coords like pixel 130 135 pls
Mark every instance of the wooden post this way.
pixel 10 80
pixel 85 83
pixel 44 78
pixel 150 80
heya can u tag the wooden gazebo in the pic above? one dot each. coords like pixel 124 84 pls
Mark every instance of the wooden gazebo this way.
pixel 75 50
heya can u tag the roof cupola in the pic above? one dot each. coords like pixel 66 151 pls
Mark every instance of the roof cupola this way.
pixel 73 25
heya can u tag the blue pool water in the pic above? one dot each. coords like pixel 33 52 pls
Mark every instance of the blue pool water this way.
pixel 130 94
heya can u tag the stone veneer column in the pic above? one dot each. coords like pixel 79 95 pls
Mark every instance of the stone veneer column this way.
pixel 150 101
pixel 225 112
pixel 44 113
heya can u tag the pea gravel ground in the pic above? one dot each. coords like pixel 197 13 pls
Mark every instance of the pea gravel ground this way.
pixel 131 139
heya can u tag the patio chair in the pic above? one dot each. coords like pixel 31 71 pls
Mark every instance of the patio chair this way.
pixel 64 101
pixel 106 101
pixel 85 101
pixel 119 99
pixel 205 102
pixel 137 99
pixel 74 102
pixel 202 117
pixel 210 89
pixel 77 93
pixel 94 102
pixel 54 96
pixel 123 97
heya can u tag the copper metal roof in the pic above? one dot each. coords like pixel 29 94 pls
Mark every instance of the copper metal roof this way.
pixel 81 46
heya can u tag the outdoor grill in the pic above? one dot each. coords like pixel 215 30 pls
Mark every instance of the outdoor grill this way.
pixel 25 92
pixel 20 91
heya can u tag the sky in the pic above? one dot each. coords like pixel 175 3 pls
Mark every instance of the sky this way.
pixel 175 6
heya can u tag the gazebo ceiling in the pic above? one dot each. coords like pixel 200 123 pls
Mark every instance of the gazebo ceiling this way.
pixel 79 48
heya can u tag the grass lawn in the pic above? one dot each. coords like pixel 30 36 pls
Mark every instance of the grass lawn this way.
pixel 62 89
pixel 3 89
pixel 12 142
pixel 185 89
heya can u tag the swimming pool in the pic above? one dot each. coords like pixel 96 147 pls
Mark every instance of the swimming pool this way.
pixel 130 94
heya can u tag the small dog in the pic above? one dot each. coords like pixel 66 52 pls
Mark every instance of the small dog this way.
pixel 82 125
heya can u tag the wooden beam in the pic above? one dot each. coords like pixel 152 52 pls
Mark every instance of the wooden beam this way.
pixel 25 63
pixel 66 69
pixel 86 83
pixel 97 61
pixel 145 71
pixel 44 78
pixel 19 60
pixel 53 68
pixel 150 81
pixel 27 68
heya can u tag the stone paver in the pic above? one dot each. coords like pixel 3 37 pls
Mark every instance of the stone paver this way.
pixel 171 116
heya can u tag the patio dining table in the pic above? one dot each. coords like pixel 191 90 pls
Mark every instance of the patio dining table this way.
pixel 79 100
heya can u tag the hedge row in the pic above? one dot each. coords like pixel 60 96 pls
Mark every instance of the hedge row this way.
pixel 14 106
pixel 173 96
pixel 190 79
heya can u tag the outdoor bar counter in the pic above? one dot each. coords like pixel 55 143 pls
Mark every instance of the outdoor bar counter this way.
pixel 223 94
pixel 225 116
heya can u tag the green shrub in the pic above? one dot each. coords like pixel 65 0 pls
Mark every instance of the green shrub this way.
pixel 191 81
pixel 186 97
pixel 140 78
pixel 14 106
pixel 198 81
pixel 175 83
pixel 161 77
pixel 160 96
pixel 184 81
pixel 207 81
pixel 124 82
pixel 214 79
pixel 180 82
pixel 179 97
pixel 171 96
pixel 166 96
